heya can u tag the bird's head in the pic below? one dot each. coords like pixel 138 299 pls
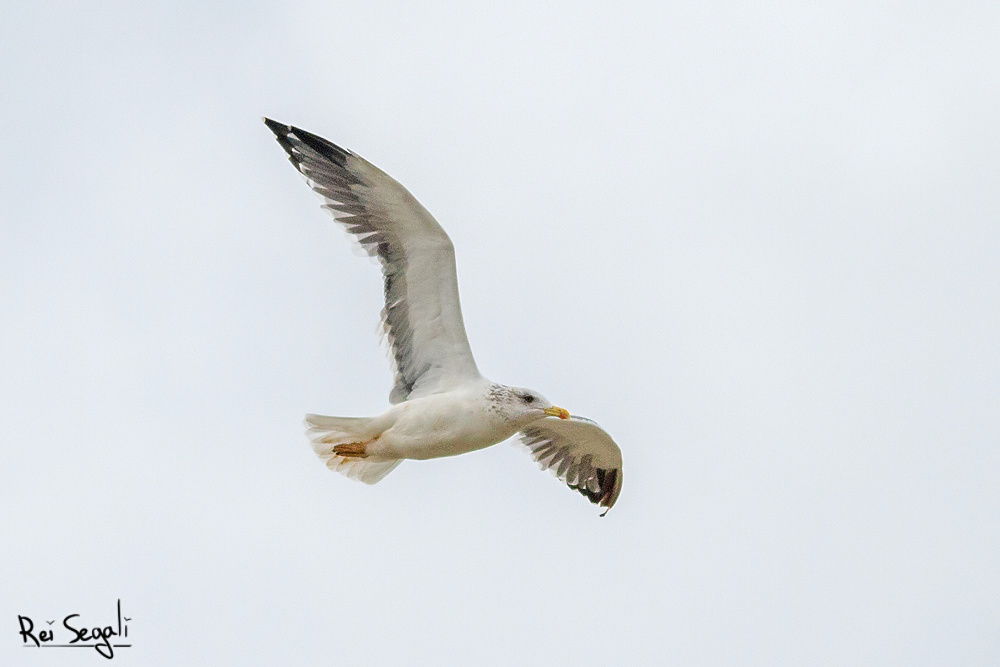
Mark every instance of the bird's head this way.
pixel 527 405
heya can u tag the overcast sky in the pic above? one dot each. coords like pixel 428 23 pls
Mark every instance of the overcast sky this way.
pixel 758 242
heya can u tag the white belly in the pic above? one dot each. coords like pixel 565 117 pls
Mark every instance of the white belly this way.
pixel 441 425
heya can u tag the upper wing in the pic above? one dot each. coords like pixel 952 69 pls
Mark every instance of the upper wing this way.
pixel 422 318
pixel 580 453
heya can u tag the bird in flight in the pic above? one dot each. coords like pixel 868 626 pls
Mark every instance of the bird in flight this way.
pixel 441 405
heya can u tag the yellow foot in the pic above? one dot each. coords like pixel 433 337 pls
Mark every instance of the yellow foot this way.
pixel 352 449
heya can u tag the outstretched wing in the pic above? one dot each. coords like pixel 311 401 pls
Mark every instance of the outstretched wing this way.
pixel 422 318
pixel 581 454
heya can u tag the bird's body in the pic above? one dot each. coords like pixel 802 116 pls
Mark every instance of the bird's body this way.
pixel 442 405
pixel 427 427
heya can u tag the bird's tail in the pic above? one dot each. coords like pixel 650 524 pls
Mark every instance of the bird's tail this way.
pixel 325 433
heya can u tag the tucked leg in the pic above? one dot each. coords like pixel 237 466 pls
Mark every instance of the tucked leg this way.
pixel 356 450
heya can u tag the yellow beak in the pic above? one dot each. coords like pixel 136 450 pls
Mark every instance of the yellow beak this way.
pixel 557 412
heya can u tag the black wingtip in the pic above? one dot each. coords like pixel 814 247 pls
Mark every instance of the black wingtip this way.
pixel 279 129
pixel 287 134
pixel 611 487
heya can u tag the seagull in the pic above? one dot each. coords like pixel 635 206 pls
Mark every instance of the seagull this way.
pixel 440 404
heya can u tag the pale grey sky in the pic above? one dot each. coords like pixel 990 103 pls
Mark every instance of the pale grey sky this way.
pixel 758 242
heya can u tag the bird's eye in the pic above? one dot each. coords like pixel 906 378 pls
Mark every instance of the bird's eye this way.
pixel 528 398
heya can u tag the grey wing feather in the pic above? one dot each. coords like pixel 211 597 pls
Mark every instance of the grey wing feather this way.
pixel 581 454
pixel 422 317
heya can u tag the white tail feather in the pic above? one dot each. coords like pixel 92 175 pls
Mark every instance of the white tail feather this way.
pixel 327 432
pixel 362 470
